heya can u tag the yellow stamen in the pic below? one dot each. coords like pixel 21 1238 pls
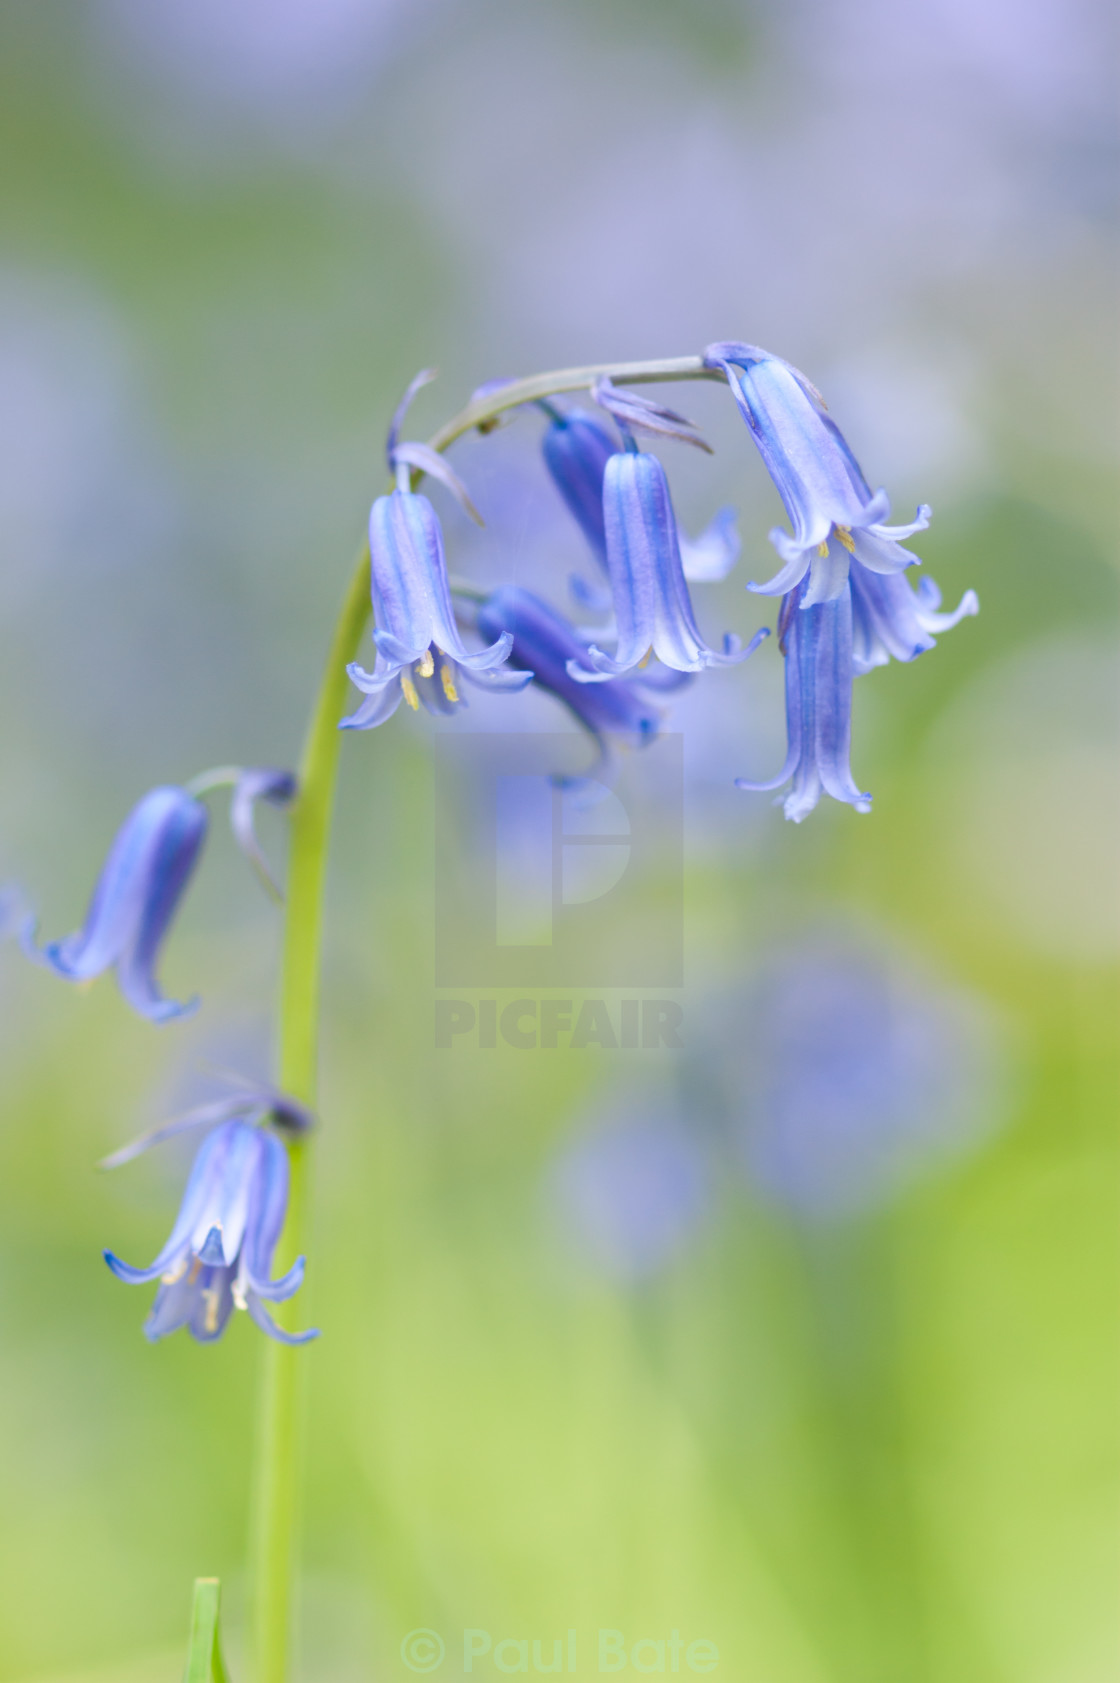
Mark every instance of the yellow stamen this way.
pixel 448 683
pixel 212 1299
pixel 176 1273
pixel 646 658
pixel 410 695
pixel 196 1269
pixel 425 666
pixel 845 536
pixel 822 549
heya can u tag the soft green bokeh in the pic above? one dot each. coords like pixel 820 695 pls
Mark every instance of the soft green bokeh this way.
pixel 860 1451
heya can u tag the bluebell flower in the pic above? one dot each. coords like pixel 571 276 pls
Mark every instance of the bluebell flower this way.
pixel 219 1255
pixel 653 612
pixel 837 520
pixel 577 449
pixel 413 615
pixel 412 611
pixel 817 642
pixel 547 645
pixel 136 897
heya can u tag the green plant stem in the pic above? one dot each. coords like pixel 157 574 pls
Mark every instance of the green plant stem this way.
pixel 278 1438
pixel 279 1407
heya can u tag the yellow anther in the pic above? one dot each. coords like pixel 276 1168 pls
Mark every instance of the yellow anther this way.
pixel 212 1299
pixel 448 683
pixel 822 549
pixel 176 1273
pixel 425 666
pixel 196 1269
pixel 646 658
pixel 845 536
pixel 410 695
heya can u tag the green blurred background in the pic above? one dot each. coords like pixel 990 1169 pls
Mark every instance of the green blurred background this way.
pixel 601 1347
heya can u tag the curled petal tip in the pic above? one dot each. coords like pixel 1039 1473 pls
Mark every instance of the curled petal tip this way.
pixel 431 462
pixel 631 410
pixel 424 378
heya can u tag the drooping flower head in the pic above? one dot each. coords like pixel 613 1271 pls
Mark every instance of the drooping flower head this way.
pixel 144 877
pixel 577 449
pixel 817 643
pixel 835 516
pixel 219 1254
pixel 142 881
pixel 547 645
pixel 412 611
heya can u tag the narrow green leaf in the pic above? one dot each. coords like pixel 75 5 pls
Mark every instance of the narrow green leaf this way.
pixel 204 1655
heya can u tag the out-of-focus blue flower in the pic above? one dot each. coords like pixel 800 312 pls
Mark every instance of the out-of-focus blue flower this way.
pixel 845 1073
pixel 835 516
pixel 631 1194
pixel 547 645
pixel 577 449
pixel 891 620
pixel 219 1255
pixel 653 612
pixel 137 893
pixel 817 643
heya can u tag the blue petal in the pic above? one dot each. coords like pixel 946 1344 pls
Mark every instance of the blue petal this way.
pixel 213 1304
pixel 891 621
pixel 264 1320
pixel 267 1211
pixel 711 556
pixel 834 700
pixel 828 575
pixel 199 1197
pixel 227 1213
pixel 170 866
pixel 881 554
pixel 408 582
pixel 819 667
pixel 172 1308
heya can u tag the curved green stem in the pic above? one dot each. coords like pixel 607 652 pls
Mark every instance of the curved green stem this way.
pixel 510 396
pixel 278 1422
pixel 278 1440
